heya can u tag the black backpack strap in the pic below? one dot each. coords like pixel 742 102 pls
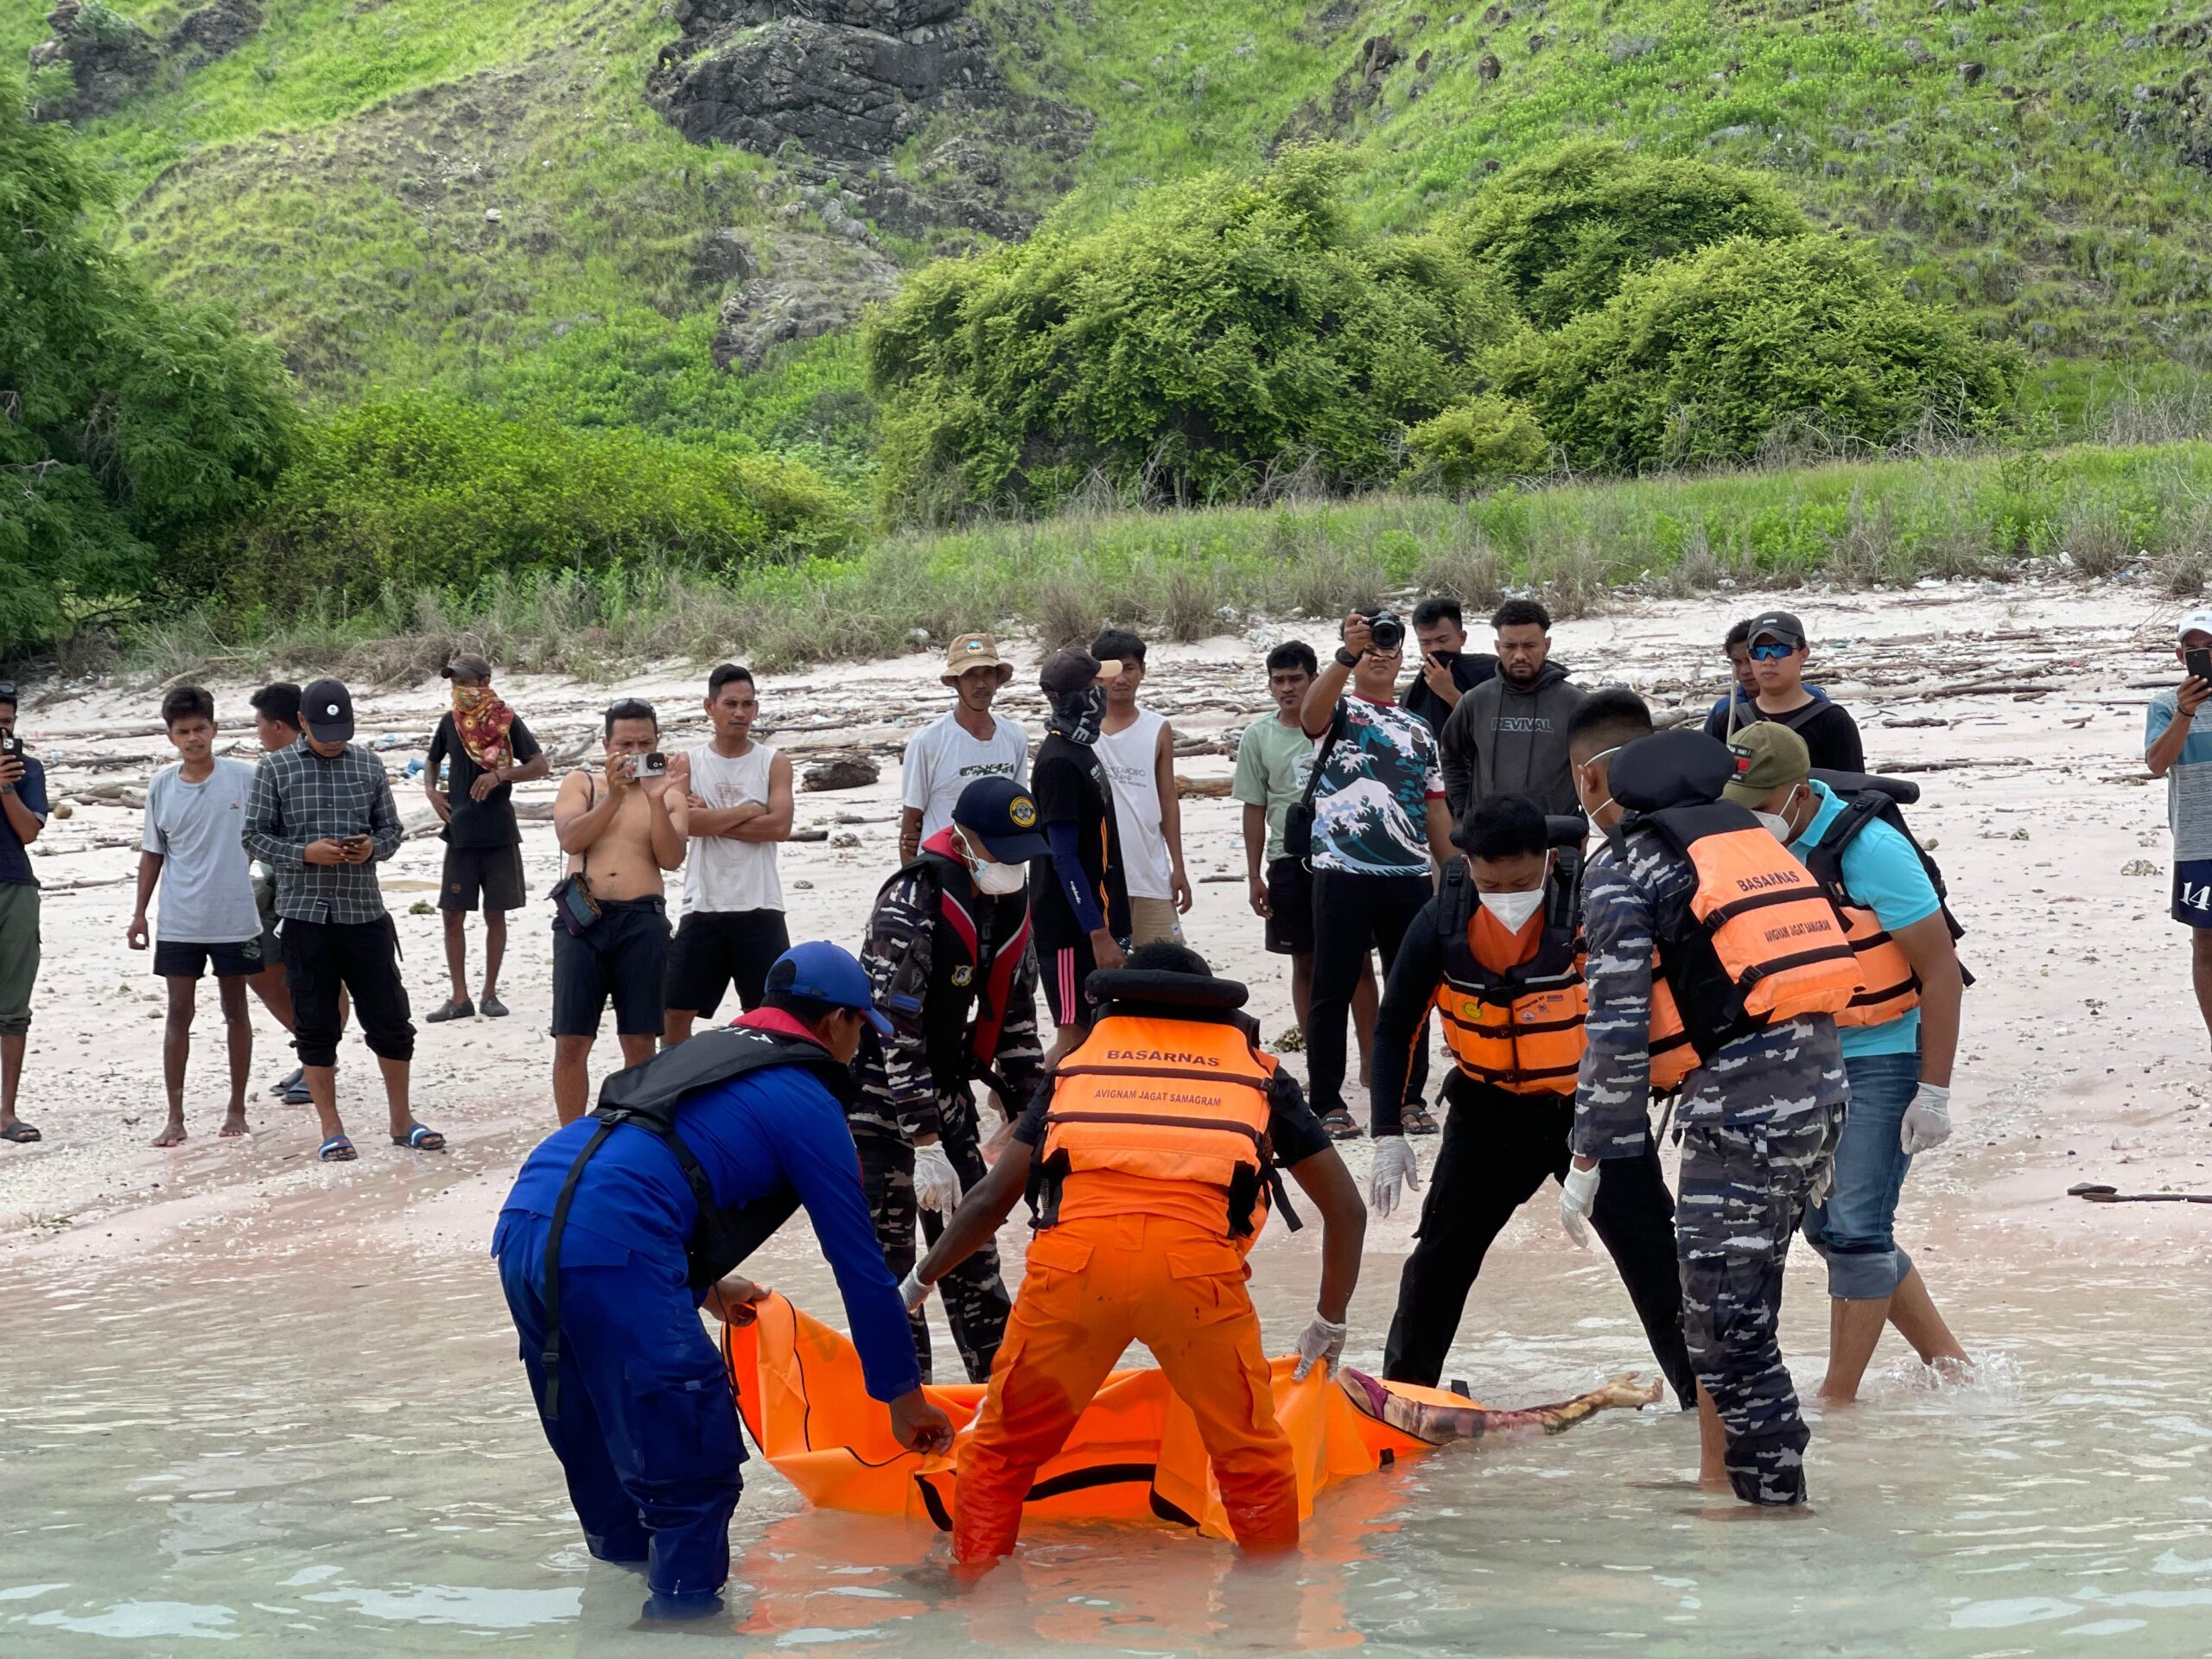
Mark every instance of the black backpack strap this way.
pixel 550 1360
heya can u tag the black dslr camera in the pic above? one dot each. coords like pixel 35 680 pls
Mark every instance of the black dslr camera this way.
pixel 1385 629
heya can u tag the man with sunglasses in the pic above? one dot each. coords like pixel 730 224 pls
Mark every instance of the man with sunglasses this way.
pixel 23 815
pixel 1779 653
pixel 1379 818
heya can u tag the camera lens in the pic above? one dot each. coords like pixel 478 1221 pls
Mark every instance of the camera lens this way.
pixel 1386 631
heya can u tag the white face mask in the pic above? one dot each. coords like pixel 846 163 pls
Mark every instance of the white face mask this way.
pixel 1513 909
pixel 1776 824
pixel 997 880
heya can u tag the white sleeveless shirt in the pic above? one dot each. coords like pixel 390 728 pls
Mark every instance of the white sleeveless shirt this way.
pixel 1127 756
pixel 720 874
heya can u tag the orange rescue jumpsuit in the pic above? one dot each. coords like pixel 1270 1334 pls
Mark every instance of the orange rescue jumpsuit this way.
pixel 1141 1249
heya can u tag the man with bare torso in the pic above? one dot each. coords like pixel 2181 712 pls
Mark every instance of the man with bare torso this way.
pixel 610 939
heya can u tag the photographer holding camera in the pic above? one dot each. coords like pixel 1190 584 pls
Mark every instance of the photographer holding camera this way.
pixel 1377 817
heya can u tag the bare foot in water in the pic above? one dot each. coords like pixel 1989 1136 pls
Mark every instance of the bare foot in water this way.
pixel 172 1134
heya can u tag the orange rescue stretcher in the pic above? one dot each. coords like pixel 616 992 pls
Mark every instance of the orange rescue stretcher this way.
pixel 1135 1454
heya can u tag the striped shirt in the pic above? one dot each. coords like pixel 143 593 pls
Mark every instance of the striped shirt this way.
pixel 299 797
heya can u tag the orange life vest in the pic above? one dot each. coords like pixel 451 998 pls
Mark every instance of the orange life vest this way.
pixel 1519 1030
pixel 1175 1100
pixel 1889 988
pixel 1761 941
pixel 1674 1057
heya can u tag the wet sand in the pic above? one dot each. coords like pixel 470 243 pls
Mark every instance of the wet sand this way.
pixel 225 1368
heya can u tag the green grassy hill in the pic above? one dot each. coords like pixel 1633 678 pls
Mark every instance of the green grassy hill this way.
pixel 480 198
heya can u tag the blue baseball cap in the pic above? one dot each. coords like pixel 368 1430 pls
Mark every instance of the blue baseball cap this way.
pixel 828 973
pixel 1001 814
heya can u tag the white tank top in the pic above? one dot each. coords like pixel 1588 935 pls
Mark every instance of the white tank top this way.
pixel 719 873
pixel 1127 756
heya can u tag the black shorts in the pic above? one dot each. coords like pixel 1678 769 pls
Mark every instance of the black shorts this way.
pixel 716 949
pixel 172 960
pixel 623 954
pixel 495 873
pixel 1063 973
pixel 1290 901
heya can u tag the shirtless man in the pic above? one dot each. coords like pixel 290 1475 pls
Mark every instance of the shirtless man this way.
pixel 621 838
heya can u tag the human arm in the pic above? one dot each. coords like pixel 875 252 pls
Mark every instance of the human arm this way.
pixel 1319 709
pixel 1928 946
pixel 1256 845
pixel 1018 1055
pixel 1439 826
pixel 1250 786
pixel 981 1212
pixel 150 872
pixel 1455 746
pixel 910 834
pixel 2166 731
pixel 441 801
pixel 669 843
pixel 898 958
pixel 916 782
pixel 1324 1179
pixel 262 834
pixel 1171 817
pixel 1613 1096
pixel 1399 1022
pixel 1440 679
pixel 773 821
pixel 581 813
pixel 385 831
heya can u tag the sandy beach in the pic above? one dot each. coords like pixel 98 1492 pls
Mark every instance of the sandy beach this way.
pixel 2019 708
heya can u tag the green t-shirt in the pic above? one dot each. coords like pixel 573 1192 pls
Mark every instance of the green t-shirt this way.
pixel 1272 761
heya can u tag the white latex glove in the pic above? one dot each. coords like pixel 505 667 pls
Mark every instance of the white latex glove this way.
pixel 1927 1121
pixel 937 1188
pixel 1396 1172
pixel 1321 1343
pixel 1576 1194
pixel 912 1290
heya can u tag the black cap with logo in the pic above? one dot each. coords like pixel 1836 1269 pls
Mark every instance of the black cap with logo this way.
pixel 326 710
pixel 1000 813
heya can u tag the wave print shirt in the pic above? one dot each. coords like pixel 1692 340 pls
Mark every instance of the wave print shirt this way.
pixel 1370 811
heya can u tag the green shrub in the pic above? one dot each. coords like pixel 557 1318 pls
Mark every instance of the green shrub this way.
pixel 1702 360
pixel 1563 229
pixel 420 494
pixel 1222 330
pixel 125 422
pixel 1486 438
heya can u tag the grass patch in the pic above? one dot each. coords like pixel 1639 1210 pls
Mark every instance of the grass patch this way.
pixel 1189 574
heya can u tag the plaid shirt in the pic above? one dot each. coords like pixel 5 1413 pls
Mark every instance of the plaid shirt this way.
pixel 299 797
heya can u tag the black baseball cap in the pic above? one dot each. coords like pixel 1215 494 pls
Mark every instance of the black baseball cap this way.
pixel 1778 625
pixel 1066 672
pixel 467 666
pixel 326 710
pixel 1000 813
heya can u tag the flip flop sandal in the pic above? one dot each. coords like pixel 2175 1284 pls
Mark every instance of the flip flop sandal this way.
pixel 1415 1120
pixel 337 1150
pixel 22 1134
pixel 1338 1126
pixel 299 1094
pixel 283 1086
pixel 449 1009
pixel 421 1138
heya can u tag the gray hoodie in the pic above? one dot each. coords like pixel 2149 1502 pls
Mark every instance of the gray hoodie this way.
pixel 1504 739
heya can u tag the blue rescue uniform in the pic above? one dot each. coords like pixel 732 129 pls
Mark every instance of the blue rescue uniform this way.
pixel 647 1431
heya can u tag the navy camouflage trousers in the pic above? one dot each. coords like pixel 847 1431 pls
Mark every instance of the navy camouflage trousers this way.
pixel 1745 1189
pixel 974 1296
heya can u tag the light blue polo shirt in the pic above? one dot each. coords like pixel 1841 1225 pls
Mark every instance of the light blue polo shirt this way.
pixel 2188 780
pixel 1882 873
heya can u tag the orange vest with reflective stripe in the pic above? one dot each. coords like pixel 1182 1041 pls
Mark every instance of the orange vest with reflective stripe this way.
pixel 1674 1057
pixel 1519 1029
pixel 1889 990
pixel 1165 1102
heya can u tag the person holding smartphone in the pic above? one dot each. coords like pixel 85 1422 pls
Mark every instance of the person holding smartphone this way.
pixel 23 815
pixel 2177 749
pixel 321 816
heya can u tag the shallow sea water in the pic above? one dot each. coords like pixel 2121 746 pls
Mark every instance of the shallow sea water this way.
pixel 259 1456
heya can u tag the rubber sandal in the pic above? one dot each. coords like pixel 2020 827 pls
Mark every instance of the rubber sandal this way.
pixel 336 1150
pixel 1415 1120
pixel 299 1094
pixel 22 1134
pixel 421 1138
pixel 494 1009
pixel 284 1086
pixel 1338 1126
pixel 450 1009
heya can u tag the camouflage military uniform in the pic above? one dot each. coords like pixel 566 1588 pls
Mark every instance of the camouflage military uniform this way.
pixel 1759 1124
pixel 954 971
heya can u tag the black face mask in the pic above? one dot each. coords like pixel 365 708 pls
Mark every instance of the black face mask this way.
pixel 1077 718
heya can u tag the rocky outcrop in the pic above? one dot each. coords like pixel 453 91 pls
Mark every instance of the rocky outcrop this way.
pixel 837 89
pixel 794 285
pixel 111 58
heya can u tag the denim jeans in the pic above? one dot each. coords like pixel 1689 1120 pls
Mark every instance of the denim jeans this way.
pixel 1853 1230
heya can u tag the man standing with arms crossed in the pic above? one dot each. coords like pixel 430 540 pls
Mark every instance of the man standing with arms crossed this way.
pixel 732 796
pixel 621 836
pixel 1137 748
pixel 1758 1119
pixel 321 816
pixel 490 751
pixel 966 742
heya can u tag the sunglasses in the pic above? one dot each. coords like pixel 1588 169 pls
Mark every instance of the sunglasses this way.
pixel 1774 652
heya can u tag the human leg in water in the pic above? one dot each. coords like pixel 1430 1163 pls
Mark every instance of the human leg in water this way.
pixel 1438 1423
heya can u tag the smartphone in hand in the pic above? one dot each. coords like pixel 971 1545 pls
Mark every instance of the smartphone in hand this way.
pixel 2199 661
pixel 656 764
